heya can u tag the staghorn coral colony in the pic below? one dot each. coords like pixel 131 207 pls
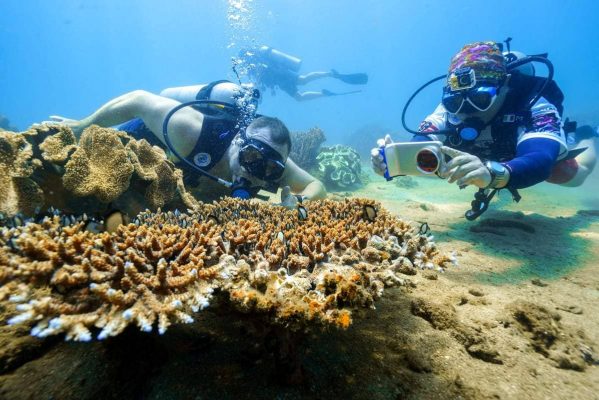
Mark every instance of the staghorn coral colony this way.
pixel 258 259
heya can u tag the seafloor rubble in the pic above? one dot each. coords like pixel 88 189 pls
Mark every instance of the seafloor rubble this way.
pixel 47 166
pixel 284 268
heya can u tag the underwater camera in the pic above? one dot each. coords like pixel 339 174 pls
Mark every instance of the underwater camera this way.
pixel 413 158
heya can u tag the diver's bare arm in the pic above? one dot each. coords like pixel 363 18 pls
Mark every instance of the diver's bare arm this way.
pixel 184 126
pixel 302 183
pixel 124 108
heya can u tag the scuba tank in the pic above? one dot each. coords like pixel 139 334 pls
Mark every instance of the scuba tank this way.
pixel 280 59
pixel 182 94
pixel 223 91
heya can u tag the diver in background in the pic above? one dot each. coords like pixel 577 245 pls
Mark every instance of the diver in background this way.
pixel 494 136
pixel 252 156
pixel 270 68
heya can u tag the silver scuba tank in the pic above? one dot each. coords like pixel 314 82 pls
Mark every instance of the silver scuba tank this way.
pixel 281 59
pixel 182 94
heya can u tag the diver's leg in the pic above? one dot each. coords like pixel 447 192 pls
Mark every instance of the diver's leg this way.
pixel 312 76
pixel 574 172
pixel 586 162
pixel 303 96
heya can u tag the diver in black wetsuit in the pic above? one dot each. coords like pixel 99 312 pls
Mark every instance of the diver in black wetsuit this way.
pixel 270 68
pixel 212 137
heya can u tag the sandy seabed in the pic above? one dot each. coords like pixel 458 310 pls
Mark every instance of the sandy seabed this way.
pixel 517 319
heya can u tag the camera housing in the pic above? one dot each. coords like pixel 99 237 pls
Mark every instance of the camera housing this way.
pixel 412 158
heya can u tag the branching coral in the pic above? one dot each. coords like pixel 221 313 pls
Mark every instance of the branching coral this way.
pixel 260 259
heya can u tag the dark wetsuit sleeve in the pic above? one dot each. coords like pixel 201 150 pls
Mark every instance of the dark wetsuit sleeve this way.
pixel 539 147
pixel 533 163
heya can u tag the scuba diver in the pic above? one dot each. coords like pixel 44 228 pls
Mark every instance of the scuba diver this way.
pixel 270 68
pixel 212 131
pixel 501 126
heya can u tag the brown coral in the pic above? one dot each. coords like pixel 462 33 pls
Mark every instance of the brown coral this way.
pixel 45 167
pixel 164 267
pixel 57 147
pixel 99 167
pixel 17 191
pixel 305 145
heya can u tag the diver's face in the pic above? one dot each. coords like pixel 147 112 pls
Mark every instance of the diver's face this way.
pixel 263 135
pixel 469 112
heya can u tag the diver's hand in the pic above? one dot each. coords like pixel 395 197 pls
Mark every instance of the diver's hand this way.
pixel 376 158
pixel 288 200
pixel 464 169
pixel 75 125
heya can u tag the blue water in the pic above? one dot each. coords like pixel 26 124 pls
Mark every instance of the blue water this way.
pixel 68 57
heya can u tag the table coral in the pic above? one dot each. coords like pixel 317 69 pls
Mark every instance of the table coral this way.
pixel 259 259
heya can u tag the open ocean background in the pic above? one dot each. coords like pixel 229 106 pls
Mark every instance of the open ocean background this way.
pixel 68 57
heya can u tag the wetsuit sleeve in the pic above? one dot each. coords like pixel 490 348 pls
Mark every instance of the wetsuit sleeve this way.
pixel 533 163
pixel 431 124
pixel 540 144
pixel 545 123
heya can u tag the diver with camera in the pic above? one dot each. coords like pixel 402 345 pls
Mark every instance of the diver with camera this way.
pixel 211 131
pixel 498 126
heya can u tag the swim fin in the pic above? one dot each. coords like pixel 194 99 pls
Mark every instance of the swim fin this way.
pixel 329 93
pixel 573 153
pixel 352 79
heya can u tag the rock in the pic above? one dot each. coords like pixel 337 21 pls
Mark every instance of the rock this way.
pixel 418 362
pixel 430 275
pixel 440 316
pixel 571 309
pixel 476 292
pixel 484 352
pixel 568 361
pixel 538 282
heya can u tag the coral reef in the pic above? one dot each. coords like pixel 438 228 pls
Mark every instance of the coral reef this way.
pixel 305 146
pixel 5 124
pixel 254 258
pixel 17 191
pixel 46 166
pixel 339 167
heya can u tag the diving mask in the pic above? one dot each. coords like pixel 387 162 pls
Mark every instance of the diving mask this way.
pixel 261 160
pixel 481 98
